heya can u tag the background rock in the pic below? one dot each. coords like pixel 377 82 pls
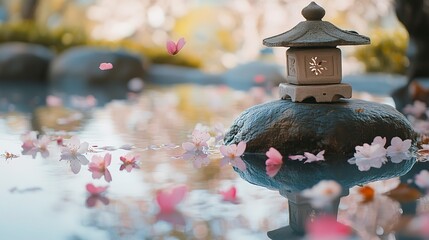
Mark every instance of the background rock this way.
pixel 24 61
pixel 78 69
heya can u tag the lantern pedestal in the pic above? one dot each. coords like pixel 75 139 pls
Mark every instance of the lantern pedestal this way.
pixel 321 93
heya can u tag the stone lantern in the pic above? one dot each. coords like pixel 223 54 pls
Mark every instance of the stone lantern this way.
pixel 313 60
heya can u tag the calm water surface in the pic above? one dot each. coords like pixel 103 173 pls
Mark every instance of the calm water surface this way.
pixel 41 198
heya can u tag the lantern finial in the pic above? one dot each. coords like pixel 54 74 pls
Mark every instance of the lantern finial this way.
pixel 313 12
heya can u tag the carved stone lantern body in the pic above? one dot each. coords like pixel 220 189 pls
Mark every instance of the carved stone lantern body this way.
pixel 313 66
pixel 313 60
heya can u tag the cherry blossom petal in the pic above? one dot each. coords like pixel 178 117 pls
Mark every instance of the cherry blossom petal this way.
pixel 168 199
pixel 75 166
pixel 82 159
pixel 274 157
pixel 379 140
pixel 105 66
pixel 422 179
pixel 224 150
pixel 180 43
pixel 230 195
pixel 241 147
pixel 297 157
pixel 107 159
pixel 83 148
pixel 107 176
pixel 326 227
pixel 314 158
pixel 53 101
pixel 189 147
pixel 171 47
pixel 239 163
pixel 272 170
pixel 95 190
pixel 323 193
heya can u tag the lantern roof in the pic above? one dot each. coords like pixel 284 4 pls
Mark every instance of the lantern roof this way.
pixel 315 33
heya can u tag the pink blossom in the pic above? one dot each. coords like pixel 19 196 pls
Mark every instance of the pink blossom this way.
pixel 231 155
pixel 32 145
pixel 274 162
pixel 28 140
pixel 233 150
pixel 314 158
pixel 95 195
pixel 198 158
pixel 73 151
pixel 323 193
pixel 199 141
pixel 379 140
pixel 93 190
pixel 417 109
pixel 420 225
pixel 259 78
pixel 173 48
pixel 54 101
pixel 368 156
pixel 83 102
pixel 169 199
pixel 98 167
pixel 326 227
pixel 230 195
pixel 129 162
pixel 422 179
pixel 105 66
pixel 398 149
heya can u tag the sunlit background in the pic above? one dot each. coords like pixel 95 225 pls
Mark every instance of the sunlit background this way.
pixel 221 34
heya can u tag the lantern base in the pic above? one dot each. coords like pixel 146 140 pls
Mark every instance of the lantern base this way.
pixel 320 93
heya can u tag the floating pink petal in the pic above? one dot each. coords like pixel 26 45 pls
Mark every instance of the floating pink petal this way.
pixel 327 228
pixel 297 157
pixel 233 151
pixel 129 162
pixel 230 195
pixel 314 158
pixel 53 101
pixel 274 157
pixel 274 162
pixel 98 167
pixel 93 190
pixel 173 48
pixel 105 66
pixel 168 199
pixel 259 78
pixel 272 170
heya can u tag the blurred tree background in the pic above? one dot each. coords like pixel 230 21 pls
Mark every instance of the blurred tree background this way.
pixel 220 33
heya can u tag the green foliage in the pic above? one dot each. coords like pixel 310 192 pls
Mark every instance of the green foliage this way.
pixel 61 39
pixel 386 53
pixel 27 31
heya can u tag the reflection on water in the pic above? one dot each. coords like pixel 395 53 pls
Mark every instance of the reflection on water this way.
pixel 143 136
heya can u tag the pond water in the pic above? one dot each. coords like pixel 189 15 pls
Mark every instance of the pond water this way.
pixel 45 197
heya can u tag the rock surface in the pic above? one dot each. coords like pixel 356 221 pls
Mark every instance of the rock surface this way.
pixel 337 128
pixel 24 61
pixel 79 66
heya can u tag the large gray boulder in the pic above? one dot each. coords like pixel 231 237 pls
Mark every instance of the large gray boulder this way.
pixel 79 68
pixel 294 128
pixel 24 61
